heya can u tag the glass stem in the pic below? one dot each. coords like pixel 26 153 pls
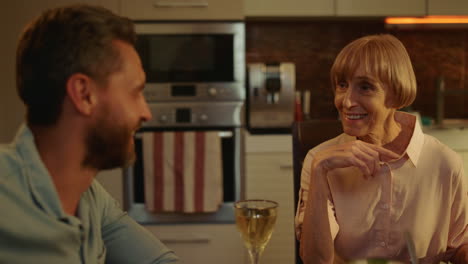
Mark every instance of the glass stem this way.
pixel 254 256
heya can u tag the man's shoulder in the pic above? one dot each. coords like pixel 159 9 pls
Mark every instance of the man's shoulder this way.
pixel 96 190
pixel 10 161
pixel 98 197
pixel 13 184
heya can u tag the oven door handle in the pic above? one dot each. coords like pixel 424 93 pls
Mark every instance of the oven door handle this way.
pixel 225 134
pixel 166 3
pixel 222 134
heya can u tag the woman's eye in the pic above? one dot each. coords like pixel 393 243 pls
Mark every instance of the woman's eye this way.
pixel 341 85
pixel 366 87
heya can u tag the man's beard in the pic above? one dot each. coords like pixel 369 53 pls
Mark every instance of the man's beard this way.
pixel 108 145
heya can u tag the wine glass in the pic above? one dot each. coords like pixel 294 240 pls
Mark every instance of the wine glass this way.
pixel 255 220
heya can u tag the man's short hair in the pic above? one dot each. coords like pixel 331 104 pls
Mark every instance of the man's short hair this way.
pixel 61 42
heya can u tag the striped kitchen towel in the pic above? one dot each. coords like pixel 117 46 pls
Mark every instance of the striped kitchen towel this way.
pixel 182 171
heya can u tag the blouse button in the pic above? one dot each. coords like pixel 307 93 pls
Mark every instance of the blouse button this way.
pixel 383 244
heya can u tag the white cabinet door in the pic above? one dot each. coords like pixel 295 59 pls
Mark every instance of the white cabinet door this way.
pixel 183 9
pixel 447 7
pixel 202 244
pixel 380 7
pixel 268 8
pixel 270 176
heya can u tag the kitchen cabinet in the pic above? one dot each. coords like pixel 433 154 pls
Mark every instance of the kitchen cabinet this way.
pixel 278 8
pixel 355 8
pixel 447 7
pixel 182 9
pixel 380 8
pixel 202 244
pixel 269 175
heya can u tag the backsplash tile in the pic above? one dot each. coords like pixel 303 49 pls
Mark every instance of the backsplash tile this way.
pixel 313 45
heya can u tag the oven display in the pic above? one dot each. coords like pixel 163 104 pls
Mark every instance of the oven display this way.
pixel 183 115
pixel 183 90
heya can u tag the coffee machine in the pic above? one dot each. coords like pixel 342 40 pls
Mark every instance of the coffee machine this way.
pixel 270 97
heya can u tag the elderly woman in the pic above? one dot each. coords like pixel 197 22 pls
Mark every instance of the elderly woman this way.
pixel 364 191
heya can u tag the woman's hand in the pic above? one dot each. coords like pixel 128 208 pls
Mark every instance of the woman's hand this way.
pixel 365 156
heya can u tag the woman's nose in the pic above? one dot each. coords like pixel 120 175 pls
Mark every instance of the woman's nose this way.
pixel 349 98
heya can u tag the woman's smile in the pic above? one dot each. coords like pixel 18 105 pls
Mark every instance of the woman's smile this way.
pixel 353 116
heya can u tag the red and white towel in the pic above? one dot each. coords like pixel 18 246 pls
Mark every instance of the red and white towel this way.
pixel 182 171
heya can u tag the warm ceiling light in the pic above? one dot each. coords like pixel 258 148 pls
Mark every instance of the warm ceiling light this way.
pixel 427 20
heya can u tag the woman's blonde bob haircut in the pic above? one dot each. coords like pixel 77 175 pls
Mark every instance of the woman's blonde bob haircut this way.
pixel 384 58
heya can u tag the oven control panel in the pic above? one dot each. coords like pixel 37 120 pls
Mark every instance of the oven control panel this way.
pixel 195 114
pixel 194 92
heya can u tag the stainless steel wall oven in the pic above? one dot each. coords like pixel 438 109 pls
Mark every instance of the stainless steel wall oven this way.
pixel 187 61
pixel 195 82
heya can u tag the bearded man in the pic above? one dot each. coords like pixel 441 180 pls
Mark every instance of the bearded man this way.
pixel 81 81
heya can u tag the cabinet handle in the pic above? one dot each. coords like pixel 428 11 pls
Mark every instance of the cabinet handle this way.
pixel 167 3
pixel 286 166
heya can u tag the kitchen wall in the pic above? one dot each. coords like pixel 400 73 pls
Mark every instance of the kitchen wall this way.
pixel 313 44
pixel 14 15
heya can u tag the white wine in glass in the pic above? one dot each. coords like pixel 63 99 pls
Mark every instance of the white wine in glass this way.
pixel 255 220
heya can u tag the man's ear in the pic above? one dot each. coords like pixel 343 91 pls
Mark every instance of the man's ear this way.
pixel 81 90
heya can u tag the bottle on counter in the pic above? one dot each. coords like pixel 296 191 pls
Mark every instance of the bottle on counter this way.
pixel 298 107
